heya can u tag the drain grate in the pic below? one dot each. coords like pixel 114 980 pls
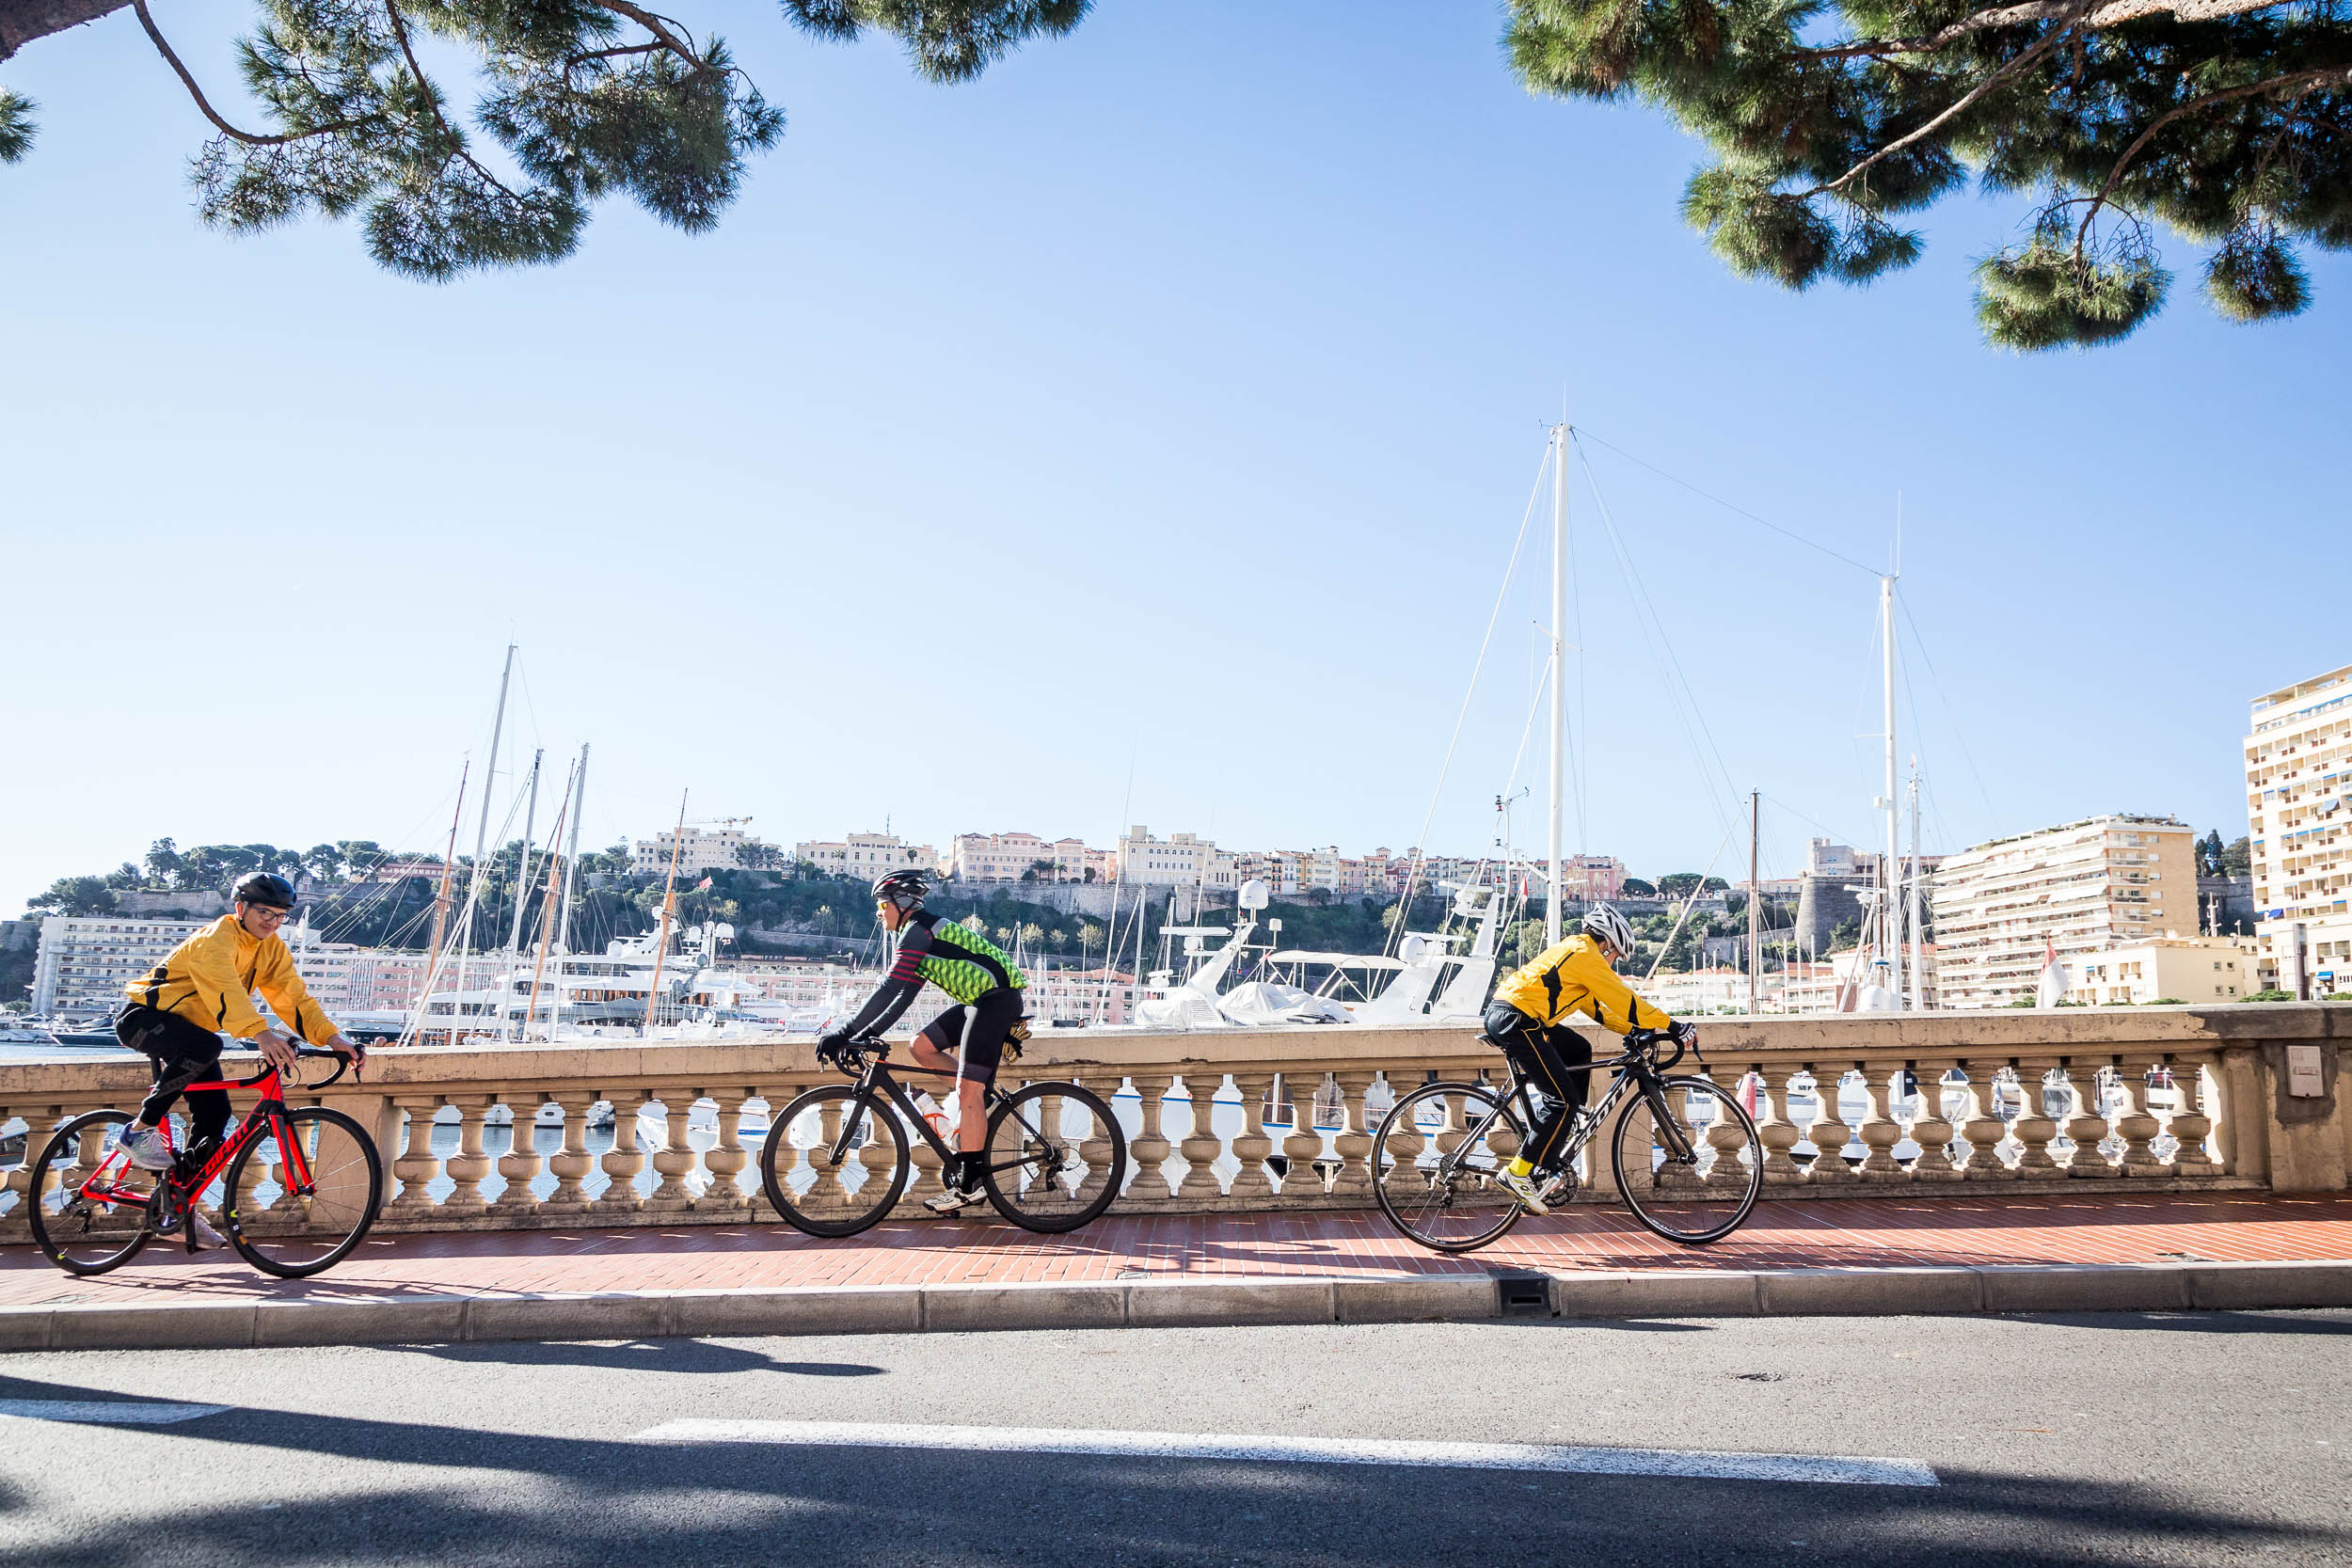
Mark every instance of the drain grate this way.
pixel 1523 1294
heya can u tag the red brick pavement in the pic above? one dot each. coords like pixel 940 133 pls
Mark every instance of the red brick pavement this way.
pixel 2208 1227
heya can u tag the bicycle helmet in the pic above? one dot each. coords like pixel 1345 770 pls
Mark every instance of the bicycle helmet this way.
pixel 1604 924
pixel 268 889
pixel 904 888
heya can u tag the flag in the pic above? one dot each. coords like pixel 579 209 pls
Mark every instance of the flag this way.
pixel 703 886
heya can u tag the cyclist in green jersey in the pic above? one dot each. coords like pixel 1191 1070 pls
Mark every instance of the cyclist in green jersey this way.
pixel 968 1039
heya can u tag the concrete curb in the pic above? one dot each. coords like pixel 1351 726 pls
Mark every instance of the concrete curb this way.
pixel 1181 1302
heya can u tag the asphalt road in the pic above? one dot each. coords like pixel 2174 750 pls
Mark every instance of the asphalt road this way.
pixel 2147 1439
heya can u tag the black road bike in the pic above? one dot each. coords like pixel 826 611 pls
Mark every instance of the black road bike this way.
pixel 1687 1179
pixel 836 1158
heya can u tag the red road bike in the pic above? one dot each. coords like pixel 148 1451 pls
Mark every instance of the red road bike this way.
pixel 296 1190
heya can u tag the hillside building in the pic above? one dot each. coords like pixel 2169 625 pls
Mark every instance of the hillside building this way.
pixel 2298 768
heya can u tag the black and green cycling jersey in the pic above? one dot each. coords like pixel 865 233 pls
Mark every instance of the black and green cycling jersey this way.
pixel 956 958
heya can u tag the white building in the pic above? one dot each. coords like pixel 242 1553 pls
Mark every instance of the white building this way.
pixel 2073 890
pixel 2298 776
pixel 85 961
pixel 345 977
pixel 865 856
pixel 726 847
pixel 2166 969
pixel 1181 861
pixel 1011 856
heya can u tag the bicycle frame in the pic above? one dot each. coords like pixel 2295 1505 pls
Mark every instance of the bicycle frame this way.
pixel 1640 1070
pixel 877 1075
pixel 267 1115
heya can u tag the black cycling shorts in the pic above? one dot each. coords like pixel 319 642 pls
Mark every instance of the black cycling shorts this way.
pixel 975 1032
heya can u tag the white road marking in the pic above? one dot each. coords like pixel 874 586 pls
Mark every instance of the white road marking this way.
pixel 106 1412
pixel 1839 1469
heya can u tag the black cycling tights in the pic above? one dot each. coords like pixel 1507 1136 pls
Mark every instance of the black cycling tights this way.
pixel 181 1050
pixel 1550 1059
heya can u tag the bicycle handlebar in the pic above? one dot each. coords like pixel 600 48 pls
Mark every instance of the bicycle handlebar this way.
pixel 1647 1039
pixel 344 1064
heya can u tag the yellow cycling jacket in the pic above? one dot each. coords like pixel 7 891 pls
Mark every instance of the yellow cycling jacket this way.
pixel 210 980
pixel 1573 975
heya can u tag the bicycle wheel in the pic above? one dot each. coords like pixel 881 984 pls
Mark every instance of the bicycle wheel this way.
pixel 1688 1180
pixel 814 1190
pixel 80 1234
pixel 1056 1157
pixel 1437 1153
pixel 295 1223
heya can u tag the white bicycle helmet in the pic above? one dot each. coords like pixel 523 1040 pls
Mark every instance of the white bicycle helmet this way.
pixel 1604 924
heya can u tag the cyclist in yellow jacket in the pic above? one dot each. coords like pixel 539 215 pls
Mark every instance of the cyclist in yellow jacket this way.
pixel 179 1008
pixel 1527 1018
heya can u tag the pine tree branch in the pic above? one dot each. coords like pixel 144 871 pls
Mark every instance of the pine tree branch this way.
pixel 2113 15
pixel 2049 42
pixel 155 33
pixel 659 26
pixel 2301 82
pixel 24 21
pixel 433 102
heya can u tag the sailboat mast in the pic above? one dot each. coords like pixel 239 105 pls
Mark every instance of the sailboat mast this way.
pixel 523 882
pixel 1890 918
pixel 498 732
pixel 1919 953
pixel 441 894
pixel 571 850
pixel 669 891
pixel 1755 940
pixel 1559 685
pixel 546 916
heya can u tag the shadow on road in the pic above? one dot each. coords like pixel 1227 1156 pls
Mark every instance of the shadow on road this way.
pixel 649 1355
pixel 525 1500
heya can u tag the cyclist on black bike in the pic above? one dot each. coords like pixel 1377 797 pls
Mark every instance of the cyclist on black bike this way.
pixel 1526 1018
pixel 179 1010
pixel 968 1039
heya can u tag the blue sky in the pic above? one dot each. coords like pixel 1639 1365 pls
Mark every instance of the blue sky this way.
pixel 1173 395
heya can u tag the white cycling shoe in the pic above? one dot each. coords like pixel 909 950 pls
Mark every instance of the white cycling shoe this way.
pixel 953 1199
pixel 146 1145
pixel 1524 1188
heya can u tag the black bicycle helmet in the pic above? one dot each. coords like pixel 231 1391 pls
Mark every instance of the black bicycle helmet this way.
pixel 904 888
pixel 266 888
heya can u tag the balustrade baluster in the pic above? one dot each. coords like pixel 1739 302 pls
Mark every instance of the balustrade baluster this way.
pixel 571 1163
pixel 625 1160
pixel 1724 1135
pixel 1930 1128
pixel 470 1163
pixel 2136 1125
pixel 726 1159
pixel 1252 1144
pixel 2089 1124
pixel 16 1180
pixel 1879 1133
pixel 1829 1133
pixel 417 1164
pixel 2035 1127
pixel 1980 1128
pixel 675 1159
pixel 1201 1146
pixel 1779 1135
pixel 1407 1138
pixel 1354 1183
pixel 1149 1150
pixel 521 1163
pixel 2190 1123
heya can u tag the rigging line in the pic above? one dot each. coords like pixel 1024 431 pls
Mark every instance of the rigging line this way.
pixel 1421 847
pixel 1679 691
pixel 1839 834
pixel 1690 903
pixel 1937 681
pixel 1727 506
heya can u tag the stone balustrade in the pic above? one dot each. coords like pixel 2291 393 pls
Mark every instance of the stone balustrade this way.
pixel 1929 1105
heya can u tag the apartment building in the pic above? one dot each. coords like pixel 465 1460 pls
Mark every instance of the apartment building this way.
pixel 2166 969
pixel 865 856
pixel 1009 857
pixel 345 977
pixel 1181 859
pixel 726 847
pixel 2078 889
pixel 2298 774
pixel 85 961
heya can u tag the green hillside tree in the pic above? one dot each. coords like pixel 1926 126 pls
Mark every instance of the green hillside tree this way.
pixel 581 98
pixel 2223 120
